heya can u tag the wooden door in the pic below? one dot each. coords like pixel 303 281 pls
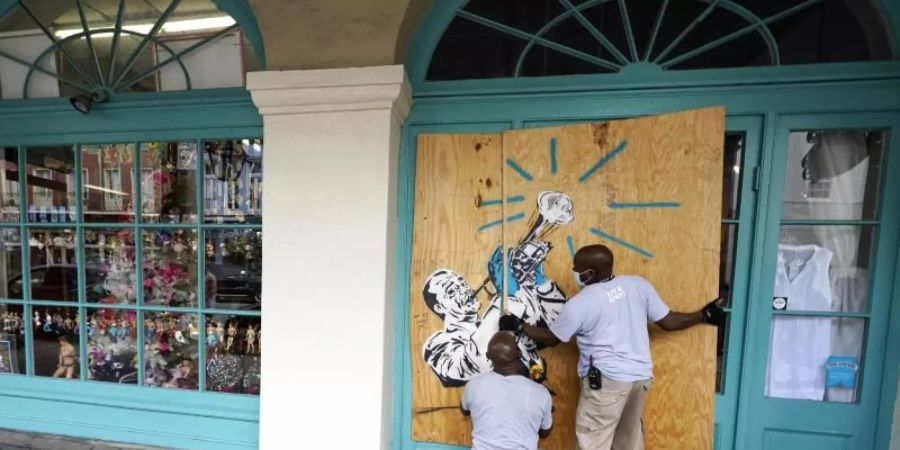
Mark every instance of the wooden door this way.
pixel 649 188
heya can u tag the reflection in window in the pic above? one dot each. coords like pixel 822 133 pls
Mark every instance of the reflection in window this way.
pixel 833 175
pixel 110 198
pixel 112 345
pixel 54 270
pixel 170 267
pixel 9 185
pixel 50 197
pixel 172 186
pixel 10 263
pixel 12 339
pixel 233 269
pixel 233 177
pixel 109 259
pixel 233 354
pixel 56 342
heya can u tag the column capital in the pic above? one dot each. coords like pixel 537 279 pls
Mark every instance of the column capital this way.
pixel 331 90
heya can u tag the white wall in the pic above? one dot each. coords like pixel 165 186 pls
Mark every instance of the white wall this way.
pixel 329 225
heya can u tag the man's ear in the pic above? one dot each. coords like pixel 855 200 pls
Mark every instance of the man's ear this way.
pixel 439 309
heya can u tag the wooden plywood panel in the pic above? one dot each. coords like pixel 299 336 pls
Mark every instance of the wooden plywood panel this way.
pixel 455 176
pixel 650 189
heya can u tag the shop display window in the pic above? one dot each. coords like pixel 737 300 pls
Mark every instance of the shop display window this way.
pixel 120 263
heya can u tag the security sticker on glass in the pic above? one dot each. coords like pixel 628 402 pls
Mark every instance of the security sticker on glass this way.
pixel 779 303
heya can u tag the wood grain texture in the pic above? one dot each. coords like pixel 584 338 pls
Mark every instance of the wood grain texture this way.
pixel 454 175
pixel 674 158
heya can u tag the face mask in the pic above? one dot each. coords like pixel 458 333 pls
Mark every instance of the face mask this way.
pixel 577 276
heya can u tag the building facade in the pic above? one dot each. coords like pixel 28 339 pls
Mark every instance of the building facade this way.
pixel 144 324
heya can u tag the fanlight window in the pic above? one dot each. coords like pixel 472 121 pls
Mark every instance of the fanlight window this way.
pixel 519 38
pixel 105 47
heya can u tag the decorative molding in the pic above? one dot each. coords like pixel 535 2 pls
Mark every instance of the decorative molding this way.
pixel 331 90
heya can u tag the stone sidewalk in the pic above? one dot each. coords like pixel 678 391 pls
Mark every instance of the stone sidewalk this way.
pixel 18 440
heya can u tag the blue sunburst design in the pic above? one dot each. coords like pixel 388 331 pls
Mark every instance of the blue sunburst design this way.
pixel 586 176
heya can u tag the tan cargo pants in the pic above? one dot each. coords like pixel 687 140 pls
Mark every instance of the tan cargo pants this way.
pixel 610 418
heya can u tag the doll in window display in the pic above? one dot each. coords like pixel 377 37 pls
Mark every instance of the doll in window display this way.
pixel 68 358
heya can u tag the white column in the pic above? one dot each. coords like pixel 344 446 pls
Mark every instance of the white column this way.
pixel 329 235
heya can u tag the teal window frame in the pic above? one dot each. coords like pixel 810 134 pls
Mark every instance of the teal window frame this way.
pixel 153 416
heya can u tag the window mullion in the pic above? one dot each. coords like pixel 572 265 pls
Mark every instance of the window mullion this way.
pixel 139 259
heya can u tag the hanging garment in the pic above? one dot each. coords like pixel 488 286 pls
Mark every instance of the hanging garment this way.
pixel 800 346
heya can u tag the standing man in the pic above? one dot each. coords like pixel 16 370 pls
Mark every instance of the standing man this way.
pixel 509 411
pixel 609 321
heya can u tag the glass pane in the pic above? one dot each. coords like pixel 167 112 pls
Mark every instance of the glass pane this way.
pixel 233 354
pixel 170 267
pixel 10 263
pixel 12 339
pixel 731 174
pixel 10 198
pixel 823 268
pixel 814 358
pixel 106 181
pixel 168 182
pixel 170 350
pixel 110 272
pixel 50 181
pixel 232 183
pixel 54 269
pixel 233 269
pixel 833 174
pixel 56 342
pixel 112 345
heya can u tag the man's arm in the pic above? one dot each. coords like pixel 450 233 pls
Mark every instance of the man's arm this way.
pixel 540 335
pixel 712 314
pixel 675 321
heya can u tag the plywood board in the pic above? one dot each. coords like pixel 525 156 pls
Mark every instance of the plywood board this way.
pixel 648 188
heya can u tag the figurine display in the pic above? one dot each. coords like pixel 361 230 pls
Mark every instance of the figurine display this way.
pixel 232 363
pixel 68 359
pixel 171 352
pixel 112 346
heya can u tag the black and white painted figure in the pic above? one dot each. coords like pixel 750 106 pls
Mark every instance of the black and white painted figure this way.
pixel 458 351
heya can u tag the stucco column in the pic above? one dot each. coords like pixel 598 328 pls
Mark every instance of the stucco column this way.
pixel 329 239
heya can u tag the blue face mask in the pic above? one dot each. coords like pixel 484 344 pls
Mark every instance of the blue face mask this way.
pixel 577 276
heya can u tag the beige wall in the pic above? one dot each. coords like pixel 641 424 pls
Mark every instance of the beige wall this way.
pixel 315 34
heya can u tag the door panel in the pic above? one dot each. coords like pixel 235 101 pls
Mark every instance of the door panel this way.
pixel 650 188
pixel 823 296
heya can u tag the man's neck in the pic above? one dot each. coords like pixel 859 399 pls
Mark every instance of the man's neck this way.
pixel 513 368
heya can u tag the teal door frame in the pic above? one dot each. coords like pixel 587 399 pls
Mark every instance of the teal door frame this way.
pixel 146 415
pixel 754 100
pixel 832 421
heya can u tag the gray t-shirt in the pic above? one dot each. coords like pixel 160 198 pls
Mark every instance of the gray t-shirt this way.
pixel 507 411
pixel 609 321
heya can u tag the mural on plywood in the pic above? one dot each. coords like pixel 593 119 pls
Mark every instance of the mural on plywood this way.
pixel 497 220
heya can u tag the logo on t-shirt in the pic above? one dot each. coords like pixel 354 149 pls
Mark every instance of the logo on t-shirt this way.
pixel 615 294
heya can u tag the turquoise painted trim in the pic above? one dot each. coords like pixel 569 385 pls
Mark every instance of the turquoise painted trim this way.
pixel 242 13
pixel 884 423
pixel 131 117
pixel 824 416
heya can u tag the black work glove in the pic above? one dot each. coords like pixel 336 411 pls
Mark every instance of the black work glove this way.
pixel 713 313
pixel 512 323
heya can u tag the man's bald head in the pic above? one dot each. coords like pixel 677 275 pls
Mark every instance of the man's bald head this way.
pixel 502 350
pixel 598 258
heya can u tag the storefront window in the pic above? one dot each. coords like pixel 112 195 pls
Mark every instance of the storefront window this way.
pixel 112 293
pixel 824 265
pixel 731 195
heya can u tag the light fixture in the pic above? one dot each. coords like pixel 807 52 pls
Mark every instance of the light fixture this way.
pixel 84 103
pixel 174 26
